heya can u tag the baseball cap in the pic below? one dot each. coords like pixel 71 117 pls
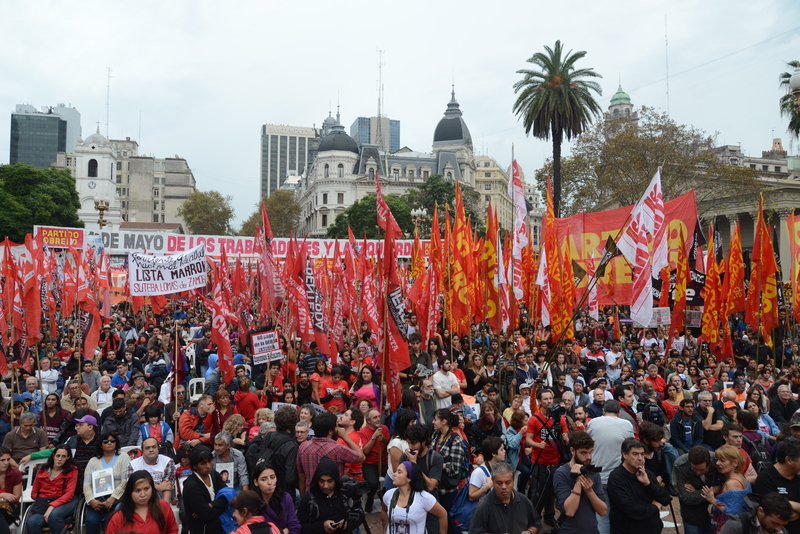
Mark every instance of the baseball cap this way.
pixel 527 384
pixel 150 389
pixel 18 398
pixel 729 404
pixel 88 419
pixel 794 421
pixel 26 396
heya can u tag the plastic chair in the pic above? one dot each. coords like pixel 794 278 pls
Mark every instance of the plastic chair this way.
pixel 196 387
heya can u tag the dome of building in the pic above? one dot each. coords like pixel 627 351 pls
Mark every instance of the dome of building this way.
pixel 451 127
pixel 338 139
pixel 620 97
pixel 96 139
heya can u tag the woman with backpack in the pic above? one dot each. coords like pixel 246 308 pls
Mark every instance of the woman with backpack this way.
pixel 407 505
pixel 451 447
pixel 248 511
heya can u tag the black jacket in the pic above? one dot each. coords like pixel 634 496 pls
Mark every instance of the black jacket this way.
pixel 676 432
pixel 196 500
pixel 694 508
pixel 780 412
pixel 284 458
pixel 632 508
pixel 315 507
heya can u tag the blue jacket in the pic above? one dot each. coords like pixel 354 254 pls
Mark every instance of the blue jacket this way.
pixel 678 433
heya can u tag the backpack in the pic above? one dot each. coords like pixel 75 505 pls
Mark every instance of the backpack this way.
pixel 758 454
pixel 652 412
pixel 463 508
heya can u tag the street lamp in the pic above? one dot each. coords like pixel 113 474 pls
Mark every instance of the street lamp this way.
pixel 794 84
pixel 418 216
pixel 101 205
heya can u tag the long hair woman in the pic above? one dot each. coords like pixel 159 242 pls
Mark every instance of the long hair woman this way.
pixel 449 445
pixel 279 509
pixel 10 491
pixel 54 492
pixel 108 457
pixel 366 387
pixel 408 504
pixel 730 499
pixel 141 510
pixel 203 510
pixel 397 444
pixel 320 375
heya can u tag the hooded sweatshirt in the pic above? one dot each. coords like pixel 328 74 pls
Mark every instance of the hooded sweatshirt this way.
pixel 247 403
pixel 315 507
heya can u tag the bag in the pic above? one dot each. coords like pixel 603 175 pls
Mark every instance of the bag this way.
pixel 463 508
pixel 758 453
pixel 41 504
pixel 167 449
pixel 10 511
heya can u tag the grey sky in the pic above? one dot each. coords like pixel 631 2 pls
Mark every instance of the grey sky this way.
pixel 206 75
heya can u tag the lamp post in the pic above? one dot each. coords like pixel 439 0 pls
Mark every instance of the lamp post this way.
pixel 418 216
pixel 794 84
pixel 101 205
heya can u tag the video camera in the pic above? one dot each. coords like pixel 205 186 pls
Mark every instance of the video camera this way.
pixel 353 490
pixel 587 470
pixel 556 411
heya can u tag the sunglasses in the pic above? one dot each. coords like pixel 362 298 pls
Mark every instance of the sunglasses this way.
pixel 107 441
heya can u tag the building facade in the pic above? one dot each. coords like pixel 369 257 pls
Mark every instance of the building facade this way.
pixel 140 189
pixel 284 151
pixel 342 172
pixel 381 131
pixel 491 181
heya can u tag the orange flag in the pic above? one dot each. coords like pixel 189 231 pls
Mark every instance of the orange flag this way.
pixel 794 267
pixel 490 259
pixel 679 299
pixel 734 281
pixel 710 323
pixel 555 307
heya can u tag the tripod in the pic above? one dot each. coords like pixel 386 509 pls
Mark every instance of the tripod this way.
pixel 553 434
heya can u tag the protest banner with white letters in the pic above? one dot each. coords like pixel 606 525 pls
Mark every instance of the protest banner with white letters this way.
pixel 162 275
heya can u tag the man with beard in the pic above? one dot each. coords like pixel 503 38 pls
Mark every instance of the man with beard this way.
pixel 580 496
pixel 304 389
pixel 653 437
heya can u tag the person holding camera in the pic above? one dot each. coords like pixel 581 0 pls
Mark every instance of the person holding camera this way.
pixel 546 434
pixel 323 508
pixel 579 489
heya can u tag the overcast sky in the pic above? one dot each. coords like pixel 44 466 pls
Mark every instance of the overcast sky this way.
pixel 206 75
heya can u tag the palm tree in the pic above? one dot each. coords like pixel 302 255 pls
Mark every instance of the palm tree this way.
pixel 556 100
pixel 787 100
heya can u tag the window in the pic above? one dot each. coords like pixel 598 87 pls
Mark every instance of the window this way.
pixel 486 164
pixel 752 166
pixel 449 175
pixel 119 178
pixel 765 168
pixel 425 175
pixel 156 192
pixel 119 165
pixel 119 191
pixel 487 187
pixel 123 203
pixel 340 198
pixel 155 206
pixel 341 170
pixel 324 220
pixel 92 168
pixel 396 174
pixel 488 198
pixel 155 217
pixel 162 205
pixel 162 217
pixel 327 169
pixel 125 217
pixel 487 175
pixel 411 175
pixel 777 169
pixel 324 198
pixel 371 173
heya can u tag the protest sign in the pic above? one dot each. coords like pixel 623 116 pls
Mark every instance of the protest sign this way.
pixel 694 318
pixel 162 275
pixel 265 347
pixel 661 316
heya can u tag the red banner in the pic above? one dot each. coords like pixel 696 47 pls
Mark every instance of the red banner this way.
pixel 587 232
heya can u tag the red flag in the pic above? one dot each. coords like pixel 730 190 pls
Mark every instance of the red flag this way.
pixel 385 218
pixel 711 313
pixel 267 227
pixel 395 343
pixel 663 301
pixel 489 259
pixel 794 266
pixel 519 230
pixel 679 298
pixel 734 280
pixel 219 329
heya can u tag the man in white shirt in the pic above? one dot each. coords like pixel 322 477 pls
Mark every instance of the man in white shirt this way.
pixel 160 467
pixel 103 395
pixel 445 384
pixel 614 360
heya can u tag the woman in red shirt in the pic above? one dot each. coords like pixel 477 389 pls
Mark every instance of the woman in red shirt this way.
pixel 246 401
pixel 54 491
pixel 10 491
pixel 141 510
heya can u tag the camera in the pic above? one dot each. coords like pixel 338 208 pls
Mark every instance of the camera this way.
pixel 587 470
pixel 353 490
pixel 556 411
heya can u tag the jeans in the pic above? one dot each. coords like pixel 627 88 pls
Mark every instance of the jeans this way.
pixel 524 476
pixel 58 518
pixel 671 454
pixel 94 520
pixel 203 371
pixel 603 525
pixel 447 503
pixel 693 529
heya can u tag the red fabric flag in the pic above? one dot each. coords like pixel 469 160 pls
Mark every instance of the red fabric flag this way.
pixel 568 292
pixel 663 301
pixel 32 289
pixel 769 283
pixel 490 267
pixel 794 267
pixel 219 329
pixel 679 299
pixel 734 296
pixel 385 218
pixel 395 343
pixel 267 227
pixel 711 315
pixel 752 304
pixel 519 230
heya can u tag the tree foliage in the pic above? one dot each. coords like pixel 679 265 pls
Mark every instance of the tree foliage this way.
pixel 612 163
pixel 556 100
pixel 30 196
pixel 207 213
pixel 284 214
pixel 439 191
pixel 787 100
pixel 362 217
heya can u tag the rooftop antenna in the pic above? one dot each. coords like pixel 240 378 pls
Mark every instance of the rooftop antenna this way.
pixel 108 98
pixel 666 56
pixel 379 129
pixel 337 108
pixel 140 128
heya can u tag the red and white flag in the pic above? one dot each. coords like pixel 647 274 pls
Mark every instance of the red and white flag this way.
pixel 385 218
pixel 520 231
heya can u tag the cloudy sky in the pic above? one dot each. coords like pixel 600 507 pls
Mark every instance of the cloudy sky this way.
pixel 204 76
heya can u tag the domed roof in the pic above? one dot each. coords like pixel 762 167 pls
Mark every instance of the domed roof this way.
pixel 338 139
pixel 620 97
pixel 96 139
pixel 451 127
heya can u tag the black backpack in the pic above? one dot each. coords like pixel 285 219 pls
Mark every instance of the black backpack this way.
pixel 758 454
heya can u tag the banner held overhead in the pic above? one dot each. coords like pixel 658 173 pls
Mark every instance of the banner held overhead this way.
pixel 162 275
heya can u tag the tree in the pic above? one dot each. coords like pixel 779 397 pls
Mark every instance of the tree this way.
pixel 362 217
pixel 283 211
pixel 787 101
pixel 30 196
pixel 556 101
pixel 436 190
pixel 613 162
pixel 207 213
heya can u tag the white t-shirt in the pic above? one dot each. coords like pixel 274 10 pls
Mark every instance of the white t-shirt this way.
pixel 157 471
pixel 611 358
pixel 479 477
pixel 440 381
pixel 409 520
pixel 608 433
pixel 399 444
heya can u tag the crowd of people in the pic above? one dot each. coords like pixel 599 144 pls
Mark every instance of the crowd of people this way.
pixel 495 433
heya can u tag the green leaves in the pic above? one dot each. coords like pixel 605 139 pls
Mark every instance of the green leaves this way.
pixel 363 218
pixel 284 214
pixel 207 213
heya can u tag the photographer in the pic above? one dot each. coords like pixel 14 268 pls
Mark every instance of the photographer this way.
pixel 322 509
pixel 579 490
pixel 546 434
